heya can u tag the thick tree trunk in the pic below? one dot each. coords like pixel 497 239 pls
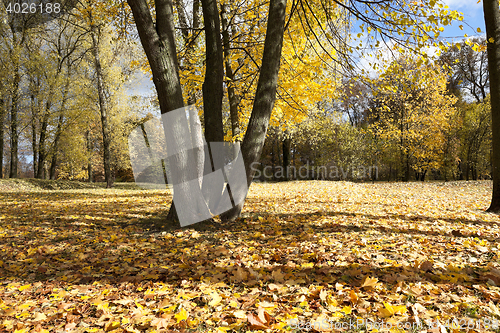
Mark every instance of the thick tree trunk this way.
pixel 214 74
pixel 265 95
pixel 492 20
pixel 159 45
pixel 103 108
pixel 158 41
pixel 212 94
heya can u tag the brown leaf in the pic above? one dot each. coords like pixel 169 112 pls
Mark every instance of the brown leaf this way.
pixel 426 266
pixel 264 316
pixel 240 274
pixel 369 283
pixel 255 323
pixel 278 276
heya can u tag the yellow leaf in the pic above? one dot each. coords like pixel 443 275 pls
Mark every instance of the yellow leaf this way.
pixel 390 310
pixel 266 304
pixel 215 299
pixel 347 310
pixel 182 315
pixel 24 287
pixel 240 314
pixel 22 330
pixel 111 325
pixel 39 316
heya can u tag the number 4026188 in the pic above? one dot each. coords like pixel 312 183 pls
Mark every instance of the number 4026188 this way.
pixel 32 8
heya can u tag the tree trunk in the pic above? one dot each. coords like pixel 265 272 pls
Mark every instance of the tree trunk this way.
pixel 158 41
pixel 189 39
pixel 231 94
pixel 286 155
pixel 212 93
pixel 2 117
pixel 273 157
pixel 14 135
pixel 89 163
pixel 492 20
pixel 34 144
pixel 101 92
pixel 53 163
pixel 214 75
pixel 42 153
pixel 265 95
pixel 159 44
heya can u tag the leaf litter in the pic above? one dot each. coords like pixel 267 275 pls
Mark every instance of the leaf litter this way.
pixel 303 252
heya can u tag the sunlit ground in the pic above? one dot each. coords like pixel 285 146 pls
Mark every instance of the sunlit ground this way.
pixel 303 253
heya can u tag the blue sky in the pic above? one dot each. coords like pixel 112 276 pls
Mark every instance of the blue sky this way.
pixel 473 19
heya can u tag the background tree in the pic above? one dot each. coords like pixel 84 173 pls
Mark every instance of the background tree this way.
pixel 414 114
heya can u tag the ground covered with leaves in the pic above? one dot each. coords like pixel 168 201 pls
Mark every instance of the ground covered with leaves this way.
pixel 324 256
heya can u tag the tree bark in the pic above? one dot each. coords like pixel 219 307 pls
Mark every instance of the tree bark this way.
pixel 89 150
pixel 265 95
pixel 42 154
pixel 53 163
pixel 14 135
pixel 214 73
pixel 2 117
pixel 103 108
pixel 34 144
pixel 159 44
pixel 231 93
pixel 492 21
pixel 286 155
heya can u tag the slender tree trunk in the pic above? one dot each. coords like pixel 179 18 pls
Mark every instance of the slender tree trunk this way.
pixel 159 44
pixel 231 93
pixel 14 135
pixel 55 146
pixel 2 118
pixel 34 144
pixel 273 157
pixel 89 150
pixel 53 163
pixel 189 42
pixel 265 95
pixel 492 20
pixel 42 153
pixel 286 155
pixel 101 92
